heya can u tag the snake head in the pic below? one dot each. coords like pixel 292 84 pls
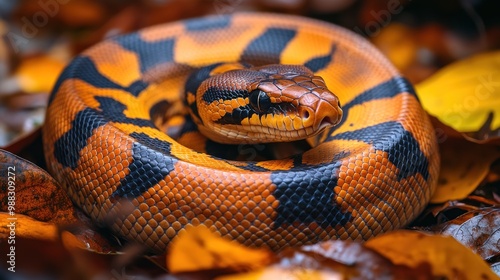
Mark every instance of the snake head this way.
pixel 272 103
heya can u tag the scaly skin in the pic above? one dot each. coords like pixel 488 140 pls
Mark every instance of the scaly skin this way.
pixel 372 173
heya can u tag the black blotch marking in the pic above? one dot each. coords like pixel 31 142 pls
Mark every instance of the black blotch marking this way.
pixel 150 53
pixel 247 111
pixel 136 87
pixel 83 68
pixel 114 111
pixel 252 166
pixel 194 81
pixel 237 115
pixel 391 137
pixel 318 63
pixel 267 48
pixel 210 23
pixel 194 108
pixel 388 89
pixel 306 195
pixel 151 162
pixel 214 94
pixel 67 148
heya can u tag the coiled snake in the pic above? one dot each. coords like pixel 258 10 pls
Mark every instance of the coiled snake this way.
pixel 373 172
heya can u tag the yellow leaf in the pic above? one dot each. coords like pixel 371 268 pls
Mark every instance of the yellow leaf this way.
pixel 463 166
pixel 198 248
pixel 39 74
pixel 462 94
pixel 445 256
pixel 273 272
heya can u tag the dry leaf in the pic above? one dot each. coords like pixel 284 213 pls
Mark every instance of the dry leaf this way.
pixel 197 248
pixel 446 257
pixel 335 259
pixel 463 94
pixel 24 226
pixel 39 73
pixel 463 166
pixel 276 272
pixel 479 230
pixel 32 191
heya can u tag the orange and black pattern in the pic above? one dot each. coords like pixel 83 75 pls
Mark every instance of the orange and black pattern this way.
pixel 372 173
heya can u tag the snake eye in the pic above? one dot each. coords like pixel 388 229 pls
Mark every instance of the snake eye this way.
pixel 259 100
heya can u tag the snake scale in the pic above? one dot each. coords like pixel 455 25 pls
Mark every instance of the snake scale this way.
pixel 373 172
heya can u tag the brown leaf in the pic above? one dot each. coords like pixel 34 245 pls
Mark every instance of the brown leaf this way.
pixel 88 237
pixel 496 267
pixel 29 190
pixel 446 257
pixel 333 259
pixel 479 230
pixel 18 225
pixel 33 192
pixel 350 259
pixel 44 251
pixel 459 178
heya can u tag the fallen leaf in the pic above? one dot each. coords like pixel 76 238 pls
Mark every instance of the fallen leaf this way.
pixel 446 257
pixel 89 238
pixel 41 250
pixel 479 230
pixel 276 272
pixel 198 248
pixel 463 166
pixel 38 74
pixel 463 94
pixel 394 41
pixel 496 268
pixel 18 225
pixel 335 259
pixel 27 189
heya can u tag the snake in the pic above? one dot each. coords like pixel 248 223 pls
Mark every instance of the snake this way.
pixel 371 167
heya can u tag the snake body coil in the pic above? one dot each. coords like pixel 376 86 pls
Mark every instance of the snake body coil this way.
pixel 372 173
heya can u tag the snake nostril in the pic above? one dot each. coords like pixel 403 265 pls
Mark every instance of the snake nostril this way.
pixel 306 114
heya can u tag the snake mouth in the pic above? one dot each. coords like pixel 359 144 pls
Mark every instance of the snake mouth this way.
pixel 264 134
pixel 325 122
